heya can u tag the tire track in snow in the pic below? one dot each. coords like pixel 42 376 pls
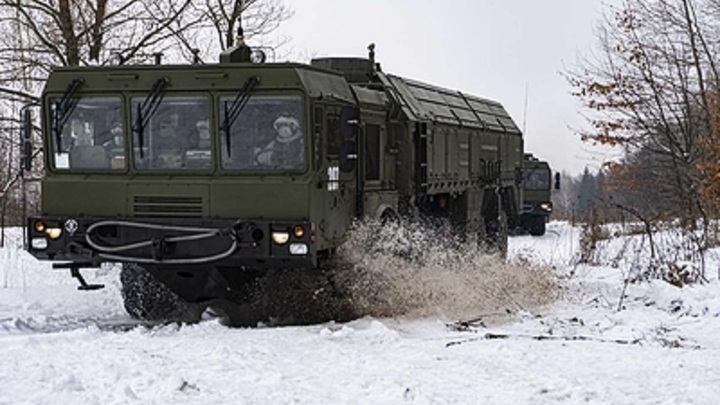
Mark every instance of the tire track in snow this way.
pixel 60 324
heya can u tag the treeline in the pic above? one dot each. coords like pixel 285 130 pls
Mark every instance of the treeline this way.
pixel 652 88
pixel 619 192
pixel 578 196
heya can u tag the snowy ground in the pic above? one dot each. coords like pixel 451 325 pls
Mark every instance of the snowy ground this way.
pixel 662 348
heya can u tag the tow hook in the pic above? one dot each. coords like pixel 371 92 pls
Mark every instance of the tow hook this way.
pixel 75 273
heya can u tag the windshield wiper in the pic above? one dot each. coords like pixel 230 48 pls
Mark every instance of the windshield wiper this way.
pixel 64 108
pixel 146 110
pixel 232 112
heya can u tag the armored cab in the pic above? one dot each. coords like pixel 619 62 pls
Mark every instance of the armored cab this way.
pixel 207 176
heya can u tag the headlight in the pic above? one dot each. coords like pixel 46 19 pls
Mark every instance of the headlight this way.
pixel 39 243
pixel 546 206
pixel 53 233
pixel 298 249
pixel 280 238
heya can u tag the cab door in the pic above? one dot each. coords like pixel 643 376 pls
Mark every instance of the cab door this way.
pixel 373 139
pixel 340 168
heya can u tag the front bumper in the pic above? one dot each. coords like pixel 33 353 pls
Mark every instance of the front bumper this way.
pixel 172 241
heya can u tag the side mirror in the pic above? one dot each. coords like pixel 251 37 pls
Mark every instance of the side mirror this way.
pixel 348 156
pixel 26 140
pixel 557 181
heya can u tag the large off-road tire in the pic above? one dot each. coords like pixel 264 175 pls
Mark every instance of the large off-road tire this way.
pixel 296 296
pixel 285 297
pixel 147 299
pixel 536 225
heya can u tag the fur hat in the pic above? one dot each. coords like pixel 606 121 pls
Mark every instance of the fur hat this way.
pixel 286 120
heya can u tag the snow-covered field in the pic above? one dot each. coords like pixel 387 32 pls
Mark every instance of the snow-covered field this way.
pixel 57 346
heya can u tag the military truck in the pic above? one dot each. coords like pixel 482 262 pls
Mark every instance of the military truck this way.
pixel 537 206
pixel 204 177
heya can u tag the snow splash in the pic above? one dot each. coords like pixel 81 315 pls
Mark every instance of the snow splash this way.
pixel 414 270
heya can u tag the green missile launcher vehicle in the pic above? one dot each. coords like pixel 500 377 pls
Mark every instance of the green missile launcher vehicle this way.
pixel 203 177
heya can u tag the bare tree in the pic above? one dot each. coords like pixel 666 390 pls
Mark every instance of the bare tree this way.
pixel 50 33
pixel 82 32
pixel 648 88
pixel 259 18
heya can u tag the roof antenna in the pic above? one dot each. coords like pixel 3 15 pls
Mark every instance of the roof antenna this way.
pixel 371 55
pixel 240 53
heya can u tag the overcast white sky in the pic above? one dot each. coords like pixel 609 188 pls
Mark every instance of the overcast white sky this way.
pixel 489 48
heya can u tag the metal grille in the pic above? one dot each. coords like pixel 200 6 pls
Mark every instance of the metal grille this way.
pixel 165 206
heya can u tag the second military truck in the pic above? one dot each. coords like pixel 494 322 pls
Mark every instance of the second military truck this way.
pixel 537 205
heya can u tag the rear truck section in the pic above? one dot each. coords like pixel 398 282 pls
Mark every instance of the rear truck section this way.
pixel 537 205
pixel 203 179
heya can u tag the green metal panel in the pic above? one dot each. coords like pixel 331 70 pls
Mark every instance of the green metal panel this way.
pixel 229 77
pixel 431 103
pixel 80 195
pixel 371 98
pixel 355 70
pixel 325 85
pixel 200 198
pixel 269 199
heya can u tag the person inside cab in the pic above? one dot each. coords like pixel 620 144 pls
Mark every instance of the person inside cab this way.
pixel 85 153
pixel 169 145
pixel 286 149
pixel 115 146
pixel 199 155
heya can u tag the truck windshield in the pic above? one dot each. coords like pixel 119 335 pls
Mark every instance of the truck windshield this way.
pixel 92 137
pixel 177 135
pixel 267 134
pixel 537 178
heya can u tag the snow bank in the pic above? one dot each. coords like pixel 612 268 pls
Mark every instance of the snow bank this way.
pixel 661 347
